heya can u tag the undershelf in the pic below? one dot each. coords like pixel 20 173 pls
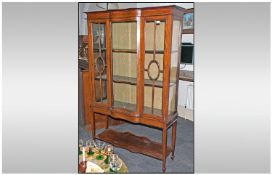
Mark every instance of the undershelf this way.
pixel 133 143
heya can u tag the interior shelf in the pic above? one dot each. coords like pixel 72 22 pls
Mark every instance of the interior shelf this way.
pixel 124 105
pixel 103 77
pixel 130 50
pixel 97 49
pixel 148 110
pixel 132 107
pixel 132 81
pixel 133 143
pixel 103 100
pixel 135 51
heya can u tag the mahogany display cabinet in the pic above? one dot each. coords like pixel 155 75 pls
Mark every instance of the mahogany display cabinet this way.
pixel 134 58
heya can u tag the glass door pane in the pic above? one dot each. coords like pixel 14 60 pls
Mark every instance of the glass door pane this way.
pixel 153 66
pixel 100 64
pixel 124 64
pixel 175 56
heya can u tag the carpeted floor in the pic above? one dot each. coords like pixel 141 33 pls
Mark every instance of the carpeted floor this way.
pixel 138 163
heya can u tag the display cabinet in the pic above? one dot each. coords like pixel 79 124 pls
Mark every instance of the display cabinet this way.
pixel 134 69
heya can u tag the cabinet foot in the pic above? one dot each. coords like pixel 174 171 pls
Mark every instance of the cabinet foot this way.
pixel 172 156
pixel 163 167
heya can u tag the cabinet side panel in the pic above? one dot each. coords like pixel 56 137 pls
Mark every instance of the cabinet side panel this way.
pixel 174 65
pixel 86 97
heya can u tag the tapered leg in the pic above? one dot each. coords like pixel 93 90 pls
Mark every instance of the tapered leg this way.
pixel 174 129
pixel 164 148
pixel 93 124
pixel 107 121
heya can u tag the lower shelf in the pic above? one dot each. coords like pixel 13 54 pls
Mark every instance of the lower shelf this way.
pixel 133 143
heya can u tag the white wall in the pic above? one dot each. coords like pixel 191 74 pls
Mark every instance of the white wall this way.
pixel 183 84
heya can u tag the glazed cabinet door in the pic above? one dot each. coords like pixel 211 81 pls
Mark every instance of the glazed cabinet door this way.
pixel 124 65
pixel 100 61
pixel 154 56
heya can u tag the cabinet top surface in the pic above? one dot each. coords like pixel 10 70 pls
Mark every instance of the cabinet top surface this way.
pixel 146 11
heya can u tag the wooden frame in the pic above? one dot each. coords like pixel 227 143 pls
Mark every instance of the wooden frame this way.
pixel 132 142
pixel 190 30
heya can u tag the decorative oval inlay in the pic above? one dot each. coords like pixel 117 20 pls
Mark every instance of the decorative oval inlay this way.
pixel 153 65
pixel 100 64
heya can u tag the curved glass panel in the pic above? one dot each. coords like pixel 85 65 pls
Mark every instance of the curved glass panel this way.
pixel 175 54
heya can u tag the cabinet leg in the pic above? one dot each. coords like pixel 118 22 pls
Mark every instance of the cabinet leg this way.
pixel 93 124
pixel 163 166
pixel 164 148
pixel 174 129
pixel 107 121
